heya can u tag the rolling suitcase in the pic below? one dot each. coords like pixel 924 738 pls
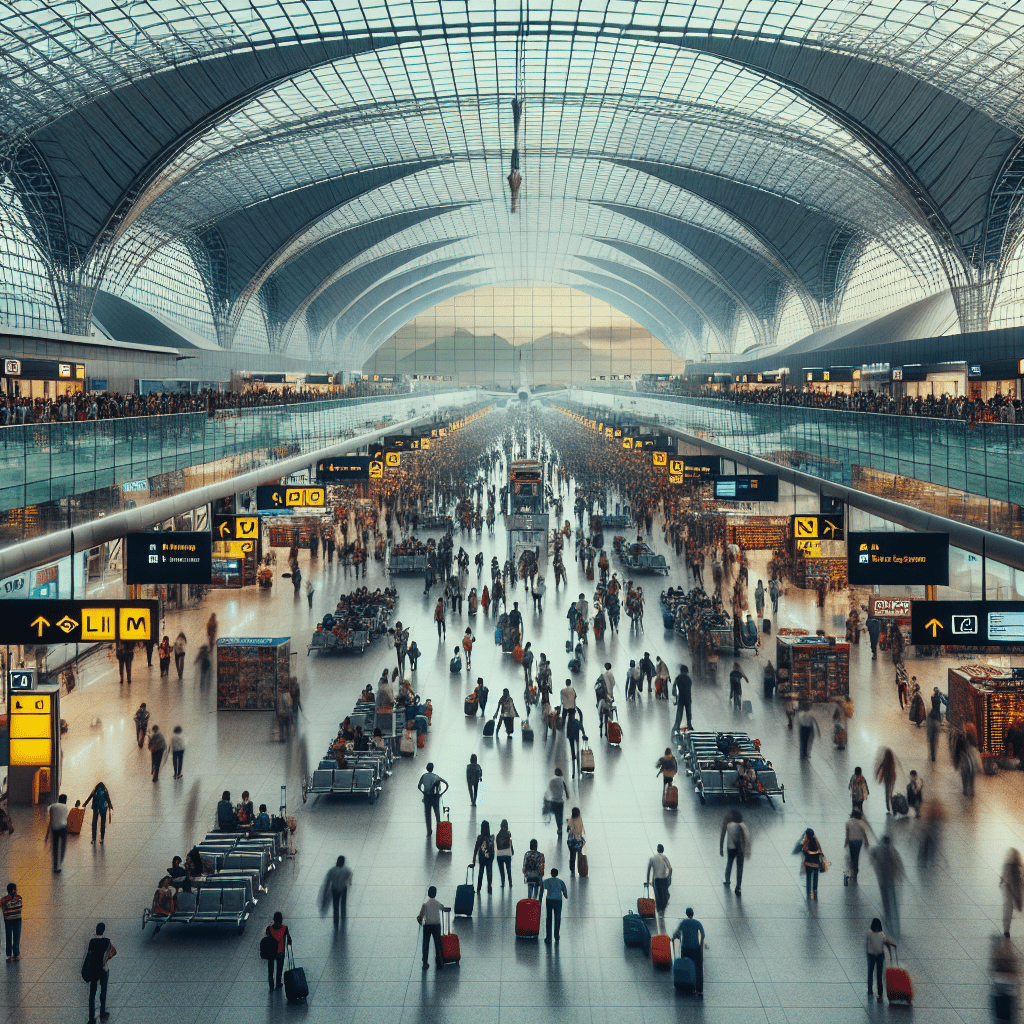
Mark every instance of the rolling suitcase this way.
pixel 587 760
pixel 670 797
pixel 645 905
pixel 421 741
pixel 489 727
pixel 898 986
pixel 684 973
pixel 470 707
pixel 295 987
pixel 668 621
pixel 407 747
pixel 527 731
pixel 767 627
pixel 582 865
pixel 635 933
pixel 614 733
pixel 497 635
pixel 899 804
pixel 450 951
pixel 661 952
pixel 528 919
pixel 748 707
pixel 76 817
pixel 568 647
pixel 443 835
pixel 465 896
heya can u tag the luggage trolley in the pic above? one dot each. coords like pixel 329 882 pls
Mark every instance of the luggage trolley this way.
pixel 716 772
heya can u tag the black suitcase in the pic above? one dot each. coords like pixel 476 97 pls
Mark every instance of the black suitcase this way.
pixel 767 627
pixel 489 727
pixel 465 896
pixel 295 987
pixel 526 731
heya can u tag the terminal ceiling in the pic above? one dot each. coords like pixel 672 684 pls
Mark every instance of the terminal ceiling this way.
pixel 344 167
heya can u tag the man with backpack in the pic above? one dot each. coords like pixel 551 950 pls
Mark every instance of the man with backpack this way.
pixel 94 970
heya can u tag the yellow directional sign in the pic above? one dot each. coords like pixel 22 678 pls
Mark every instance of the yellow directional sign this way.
pixel 424 443
pixel 933 626
pixel 376 470
pixel 392 459
pixel 246 526
pixel 627 443
pixel 235 548
pixel 676 467
pixel 39 625
pixel 98 624
pixel 60 621
pixel 805 526
pixel 135 624
pixel 810 548
pixel 659 458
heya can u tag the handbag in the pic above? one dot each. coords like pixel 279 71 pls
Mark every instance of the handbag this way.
pixel 825 864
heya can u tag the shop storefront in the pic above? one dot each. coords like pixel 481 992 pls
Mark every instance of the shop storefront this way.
pixel 997 378
pixel 42 378
pixel 836 380
pixel 922 381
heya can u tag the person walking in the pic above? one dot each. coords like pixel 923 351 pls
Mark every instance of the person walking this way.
pixel 164 652
pixel 439 619
pixel 430 786
pixel 504 851
pixel 682 689
pixel 177 750
pixel 211 630
pixel 533 870
pixel 667 766
pixel 474 773
pixel 554 891
pixel 646 674
pixel 555 798
pixel 813 856
pixel 11 905
pixel 528 665
pixel 734 834
pixel 507 711
pixel 573 725
pixel 575 838
pixel 467 646
pixel 568 697
pixel 141 724
pixel 157 750
pixel 659 874
pixel 57 833
pixel 759 601
pixel 335 888
pixel 858 787
pixel 95 970
pixel 481 692
pixel 774 590
pixel 278 931
pixel 888 865
pixel 857 830
pixel 180 643
pixel 736 680
pixel 932 726
pixel 874 627
pixel 808 725
pixel 877 944
pixel 102 805
pixel 308 588
pixel 430 918
pixel 1012 883
pixel 484 852
pixel 690 934
pixel 125 657
pixel 886 774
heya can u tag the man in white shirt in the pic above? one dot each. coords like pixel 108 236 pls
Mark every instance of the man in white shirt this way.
pixel 58 830
pixel 735 833
pixel 568 696
pixel 608 677
pixel 659 871
pixel 430 917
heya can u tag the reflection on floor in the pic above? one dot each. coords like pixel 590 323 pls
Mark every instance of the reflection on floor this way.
pixel 772 957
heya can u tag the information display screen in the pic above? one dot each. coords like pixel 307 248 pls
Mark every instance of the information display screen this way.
pixel 344 468
pixel 898 559
pixel 696 467
pixel 168 557
pixel 968 623
pixel 747 488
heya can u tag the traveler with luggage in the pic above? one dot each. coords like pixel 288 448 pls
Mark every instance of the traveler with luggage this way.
pixel 877 944
pixel 813 861
pixel 554 799
pixel 555 891
pixel 659 873
pixel 667 767
pixel 504 851
pixel 690 934
pixel 430 918
pixel 507 711
pixel 575 839
pixel 278 931
pixel 484 852
pixel 102 805
pixel 735 832
pixel 481 696
pixel 96 972
pixel 736 680
pixel 533 870
pixel 430 786
pixel 646 667
pixel 474 773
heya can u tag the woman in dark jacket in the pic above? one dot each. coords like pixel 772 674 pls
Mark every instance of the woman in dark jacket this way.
pixel 484 851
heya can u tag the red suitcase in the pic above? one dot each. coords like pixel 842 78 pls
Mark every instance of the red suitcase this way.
pixel 76 818
pixel 661 952
pixel 450 951
pixel 527 919
pixel 670 797
pixel 614 733
pixel 645 905
pixel 443 834
pixel 898 986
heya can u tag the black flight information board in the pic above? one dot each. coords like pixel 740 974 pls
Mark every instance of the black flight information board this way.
pixel 747 488
pixel 343 468
pixel 168 557
pixel 695 467
pixel 967 623
pixel 899 559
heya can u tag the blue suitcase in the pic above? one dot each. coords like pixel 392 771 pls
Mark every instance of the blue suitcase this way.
pixel 684 974
pixel 635 933
pixel 465 896
pixel 668 620
pixel 497 635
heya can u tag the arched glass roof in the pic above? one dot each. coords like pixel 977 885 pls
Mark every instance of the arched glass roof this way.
pixel 700 160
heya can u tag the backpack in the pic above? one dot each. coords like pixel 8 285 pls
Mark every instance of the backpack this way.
pixel 268 947
pixel 92 965
pixel 487 849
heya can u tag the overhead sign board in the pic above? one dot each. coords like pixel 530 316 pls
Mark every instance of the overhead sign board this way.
pixel 69 622
pixel 696 467
pixel 236 527
pixel 747 488
pixel 899 559
pixel 22 678
pixel 968 623
pixel 818 528
pixel 890 607
pixel 274 497
pixel 169 557
pixel 343 469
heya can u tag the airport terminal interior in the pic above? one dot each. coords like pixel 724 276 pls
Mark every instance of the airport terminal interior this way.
pixel 528 451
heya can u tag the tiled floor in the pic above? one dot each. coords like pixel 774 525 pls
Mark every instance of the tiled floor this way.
pixel 772 957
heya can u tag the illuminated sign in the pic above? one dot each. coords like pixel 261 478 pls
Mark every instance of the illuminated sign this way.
pixel 818 527
pixel 967 623
pixel 169 557
pixel 747 488
pixel 899 559
pixel 237 527
pixel 271 497
pixel 696 467
pixel 12 367
pixel 64 370
pixel 345 467
pixel 69 622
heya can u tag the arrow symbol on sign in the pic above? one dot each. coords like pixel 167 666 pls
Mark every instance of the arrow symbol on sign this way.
pixel 41 623
pixel 934 625
pixel 225 530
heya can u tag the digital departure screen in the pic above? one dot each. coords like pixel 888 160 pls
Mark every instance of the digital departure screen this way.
pixel 899 559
